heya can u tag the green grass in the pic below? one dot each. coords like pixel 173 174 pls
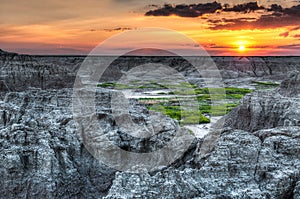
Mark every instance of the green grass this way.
pixel 182 116
pixel 114 85
pixel 225 99
pixel 204 97
pixel 107 85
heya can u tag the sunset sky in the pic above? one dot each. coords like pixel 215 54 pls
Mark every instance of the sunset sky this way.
pixel 228 27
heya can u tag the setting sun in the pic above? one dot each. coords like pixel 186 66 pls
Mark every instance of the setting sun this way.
pixel 242 48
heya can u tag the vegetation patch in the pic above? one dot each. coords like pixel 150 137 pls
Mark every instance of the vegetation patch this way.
pixel 209 101
pixel 222 105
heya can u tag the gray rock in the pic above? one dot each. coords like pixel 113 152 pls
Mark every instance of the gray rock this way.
pixel 241 166
pixel 265 109
pixel 256 155
pixel 19 72
pixel 42 154
pixel 291 86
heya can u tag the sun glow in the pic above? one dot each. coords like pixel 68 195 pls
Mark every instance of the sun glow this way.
pixel 242 48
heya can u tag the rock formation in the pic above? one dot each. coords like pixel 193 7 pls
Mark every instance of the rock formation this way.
pixel 19 72
pixel 42 154
pixel 268 109
pixel 256 153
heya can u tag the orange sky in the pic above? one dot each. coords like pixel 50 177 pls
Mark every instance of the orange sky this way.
pixel 76 27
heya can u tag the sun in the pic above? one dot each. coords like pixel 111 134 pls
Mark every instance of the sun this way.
pixel 242 48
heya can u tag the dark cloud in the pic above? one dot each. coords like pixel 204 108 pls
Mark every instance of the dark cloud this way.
pixel 246 7
pixel 196 10
pixel 275 8
pixel 264 22
pixel 116 29
pixel 182 10
pixel 293 11
pixel 278 17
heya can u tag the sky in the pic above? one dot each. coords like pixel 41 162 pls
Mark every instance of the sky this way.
pixel 222 28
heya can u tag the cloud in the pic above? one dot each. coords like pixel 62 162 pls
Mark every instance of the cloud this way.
pixel 246 7
pixel 264 22
pixel 297 36
pixel 292 46
pixel 275 8
pixel 287 33
pixel 284 34
pixel 152 6
pixel 196 10
pixel 275 16
pixel 116 29
pixel 182 10
pixel 224 20
pixel 278 17
pixel 293 11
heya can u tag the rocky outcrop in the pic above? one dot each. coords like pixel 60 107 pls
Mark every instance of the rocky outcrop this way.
pixel 242 165
pixel 291 86
pixel 267 109
pixel 19 72
pixel 42 154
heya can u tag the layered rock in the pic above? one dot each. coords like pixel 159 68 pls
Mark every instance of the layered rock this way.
pixel 19 72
